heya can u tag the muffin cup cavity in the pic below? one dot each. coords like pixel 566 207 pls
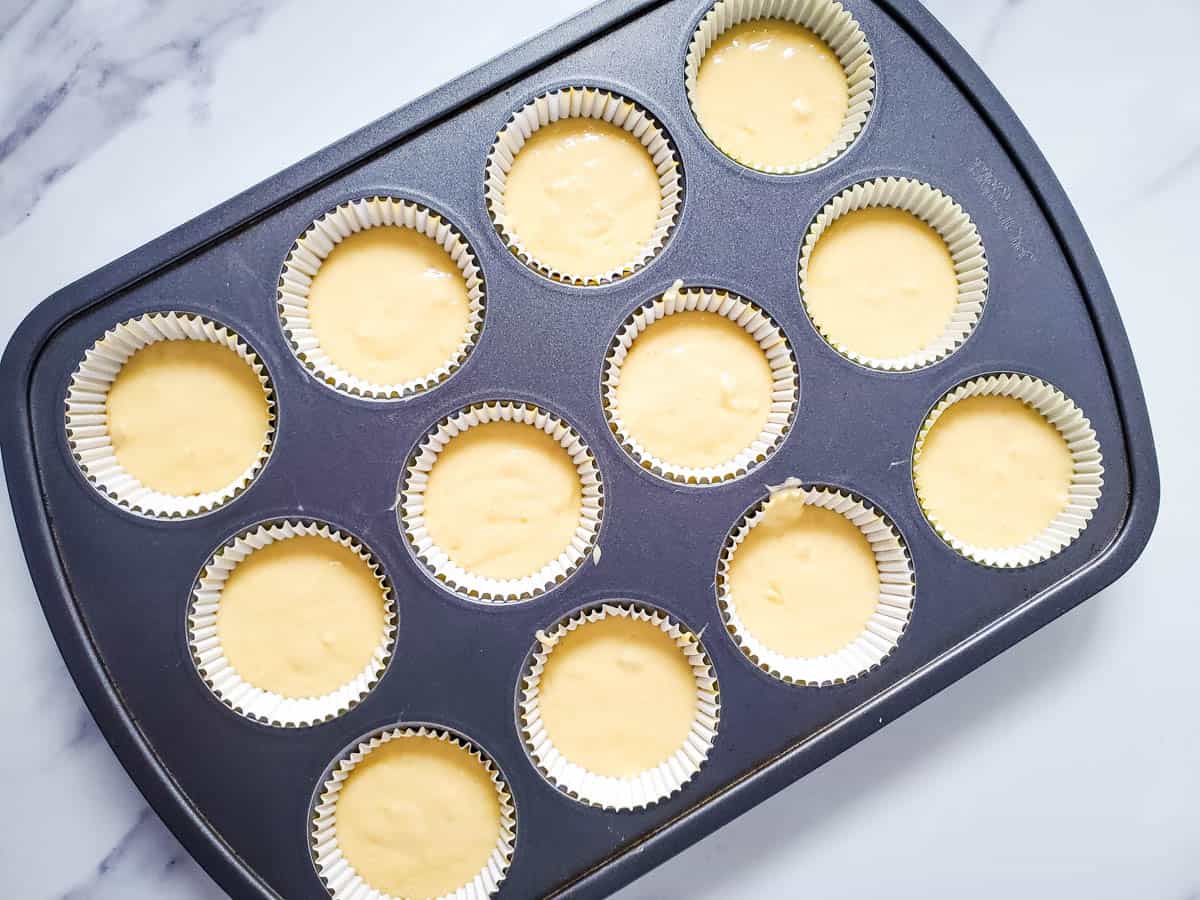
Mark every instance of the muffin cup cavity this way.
pixel 1087 473
pixel 648 787
pixel 320 239
pixel 886 625
pixel 785 389
pixel 86 416
pixel 956 229
pixel 829 21
pixel 338 874
pixel 435 561
pixel 592 103
pixel 218 673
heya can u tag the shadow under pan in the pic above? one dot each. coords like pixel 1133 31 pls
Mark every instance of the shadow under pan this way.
pixel 115 585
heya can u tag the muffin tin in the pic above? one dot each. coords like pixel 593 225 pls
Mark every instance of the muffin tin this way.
pixel 116 584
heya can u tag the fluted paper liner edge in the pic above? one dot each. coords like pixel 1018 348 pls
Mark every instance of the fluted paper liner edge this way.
pixel 785 392
pixel 219 674
pixel 310 252
pixel 338 874
pixel 1087 474
pixel 86 416
pixel 410 503
pixel 648 787
pixel 883 630
pixel 833 24
pixel 594 103
pixel 953 225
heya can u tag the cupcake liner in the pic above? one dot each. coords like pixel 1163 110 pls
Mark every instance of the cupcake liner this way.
pixel 314 246
pixel 646 788
pixel 411 504
pixel 884 629
pixel 338 874
pixel 592 103
pixel 785 392
pixel 962 239
pixel 223 679
pixel 829 21
pixel 1087 478
pixel 87 417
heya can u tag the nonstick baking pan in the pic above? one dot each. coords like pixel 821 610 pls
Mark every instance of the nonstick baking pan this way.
pixel 115 585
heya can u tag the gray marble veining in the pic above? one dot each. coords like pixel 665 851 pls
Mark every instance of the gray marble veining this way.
pixel 1063 768
pixel 96 63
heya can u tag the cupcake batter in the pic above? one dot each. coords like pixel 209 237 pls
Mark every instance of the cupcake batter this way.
pixel 617 696
pixel 804 581
pixel 583 197
pixel 418 817
pixel 503 500
pixel 695 389
pixel 389 305
pixel 301 617
pixel 187 417
pixel 881 283
pixel 993 472
pixel 771 93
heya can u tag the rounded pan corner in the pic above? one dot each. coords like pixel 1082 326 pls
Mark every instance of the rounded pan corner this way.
pixel 123 733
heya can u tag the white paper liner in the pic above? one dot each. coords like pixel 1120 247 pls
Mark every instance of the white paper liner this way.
pixel 314 246
pixel 962 239
pixel 227 684
pixel 592 103
pixel 1087 476
pixel 886 625
pixel 434 558
pixel 766 333
pixel 829 21
pixel 646 788
pixel 338 874
pixel 87 417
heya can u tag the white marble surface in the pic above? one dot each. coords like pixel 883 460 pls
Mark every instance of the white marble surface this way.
pixel 1067 767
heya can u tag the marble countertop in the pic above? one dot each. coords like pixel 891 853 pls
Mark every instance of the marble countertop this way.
pixel 1066 767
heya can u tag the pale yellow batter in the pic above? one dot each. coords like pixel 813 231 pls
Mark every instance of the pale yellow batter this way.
pixel 301 617
pixel 771 93
pixel 389 305
pixel 418 817
pixel 695 389
pixel 583 197
pixel 186 417
pixel 503 500
pixel 618 696
pixel 993 472
pixel 804 582
pixel 881 283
